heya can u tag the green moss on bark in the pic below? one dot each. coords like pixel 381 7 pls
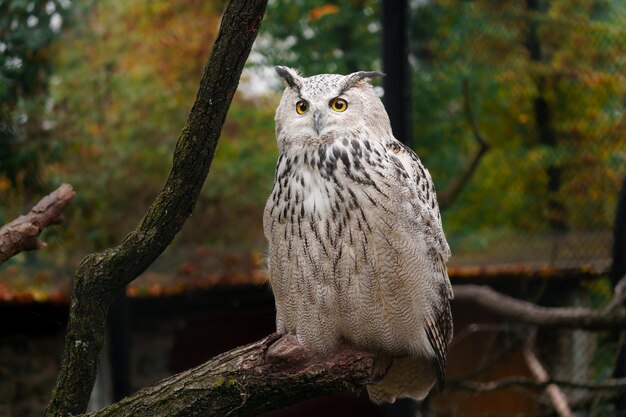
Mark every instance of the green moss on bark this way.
pixel 247 381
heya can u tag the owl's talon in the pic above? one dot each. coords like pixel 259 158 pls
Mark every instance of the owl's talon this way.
pixel 287 349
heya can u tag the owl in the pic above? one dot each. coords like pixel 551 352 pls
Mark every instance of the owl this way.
pixel 357 252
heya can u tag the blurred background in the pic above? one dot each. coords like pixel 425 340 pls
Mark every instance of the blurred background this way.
pixel 516 107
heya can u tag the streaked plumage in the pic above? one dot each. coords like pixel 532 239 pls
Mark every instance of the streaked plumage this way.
pixel 356 246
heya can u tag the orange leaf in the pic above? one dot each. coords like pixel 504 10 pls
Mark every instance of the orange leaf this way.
pixel 322 11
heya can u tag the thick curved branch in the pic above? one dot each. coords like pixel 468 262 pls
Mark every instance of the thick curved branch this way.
pixel 266 375
pixel 22 233
pixel 452 192
pixel 522 311
pixel 101 274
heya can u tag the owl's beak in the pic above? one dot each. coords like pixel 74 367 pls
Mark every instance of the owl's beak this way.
pixel 318 121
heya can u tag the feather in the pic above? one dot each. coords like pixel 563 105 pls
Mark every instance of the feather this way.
pixel 357 250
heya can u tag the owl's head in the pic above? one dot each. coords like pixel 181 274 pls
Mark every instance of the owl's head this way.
pixel 327 107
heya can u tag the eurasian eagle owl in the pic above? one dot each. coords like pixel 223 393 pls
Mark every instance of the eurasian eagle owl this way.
pixel 357 251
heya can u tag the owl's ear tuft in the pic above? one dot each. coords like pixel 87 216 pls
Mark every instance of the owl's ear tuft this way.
pixel 356 78
pixel 290 76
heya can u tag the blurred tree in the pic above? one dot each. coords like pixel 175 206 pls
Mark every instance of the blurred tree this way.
pixel 27 30
pixel 322 36
pixel 140 63
pixel 124 79
pixel 548 90
pixel 119 130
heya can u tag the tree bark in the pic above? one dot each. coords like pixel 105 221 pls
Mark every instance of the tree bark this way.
pixel 101 274
pixel 397 85
pixel 266 375
pixel 22 233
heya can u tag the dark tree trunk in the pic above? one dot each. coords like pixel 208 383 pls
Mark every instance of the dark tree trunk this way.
pixel 543 121
pixel 119 346
pixel 396 65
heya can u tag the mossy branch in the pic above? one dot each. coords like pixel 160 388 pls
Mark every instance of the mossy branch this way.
pixel 266 375
pixel 101 274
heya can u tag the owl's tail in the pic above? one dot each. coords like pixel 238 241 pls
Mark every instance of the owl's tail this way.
pixel 407 377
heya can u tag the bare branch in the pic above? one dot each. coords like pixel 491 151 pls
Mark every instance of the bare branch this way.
pixel 478 328
pixel 266 375
pixel 523 311
pixel 22 233
pixel 558 398
pixel 452 192
pixel 619 295
pixel 616 384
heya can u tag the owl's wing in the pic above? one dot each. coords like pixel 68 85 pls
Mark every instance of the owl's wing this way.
pixel 439 325
pixel 426 215
pixel 423 197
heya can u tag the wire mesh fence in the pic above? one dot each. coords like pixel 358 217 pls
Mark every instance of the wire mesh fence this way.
pixel 546 90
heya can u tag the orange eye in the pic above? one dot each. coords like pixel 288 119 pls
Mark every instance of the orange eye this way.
pixel 302 106
pixel 338 104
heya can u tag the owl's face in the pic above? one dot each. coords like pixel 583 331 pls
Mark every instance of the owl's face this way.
pixel 327 107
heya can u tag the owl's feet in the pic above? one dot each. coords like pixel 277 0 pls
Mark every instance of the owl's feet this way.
pixel 286 353
pixel 287 349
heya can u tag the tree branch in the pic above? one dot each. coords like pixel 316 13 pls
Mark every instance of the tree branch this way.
pixel 617 384
pixel 619 295
pixel 266 375
pixel 452 192
pixel 614 316
pixel 101 274
pixel 22 233
pixel 557 397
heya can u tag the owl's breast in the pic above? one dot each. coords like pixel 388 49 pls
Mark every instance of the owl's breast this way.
pixel 329 183
pixel 341 264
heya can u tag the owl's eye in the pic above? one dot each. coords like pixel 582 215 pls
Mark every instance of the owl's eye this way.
pixel 338 104
pixel 302 106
